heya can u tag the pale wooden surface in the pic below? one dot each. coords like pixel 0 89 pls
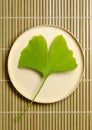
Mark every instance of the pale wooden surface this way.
pixel 74 112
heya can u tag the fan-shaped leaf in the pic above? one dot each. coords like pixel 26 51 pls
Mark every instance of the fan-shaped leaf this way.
pixel 60 58
pixel 36 56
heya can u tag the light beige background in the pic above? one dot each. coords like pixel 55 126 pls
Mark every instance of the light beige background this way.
pixel 74 112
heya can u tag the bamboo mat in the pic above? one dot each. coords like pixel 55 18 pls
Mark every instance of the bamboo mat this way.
pixel 72 113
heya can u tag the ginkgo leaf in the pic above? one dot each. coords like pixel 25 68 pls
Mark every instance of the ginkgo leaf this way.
pixel 60 58
pixel 36 56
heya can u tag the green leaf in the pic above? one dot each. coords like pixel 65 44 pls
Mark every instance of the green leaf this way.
pixel 60 58
pixel 36 56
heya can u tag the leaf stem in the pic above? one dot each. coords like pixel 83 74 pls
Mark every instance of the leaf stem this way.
pixel 30 104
